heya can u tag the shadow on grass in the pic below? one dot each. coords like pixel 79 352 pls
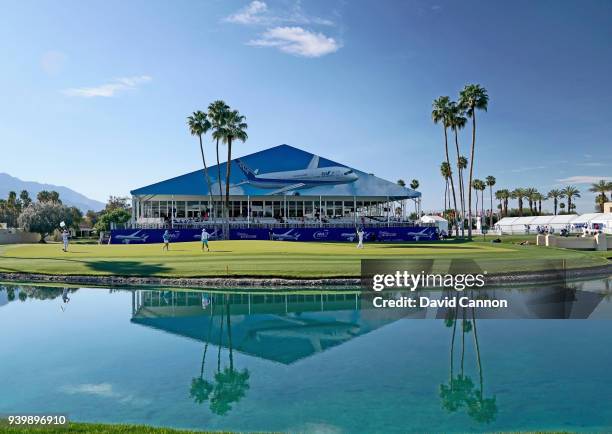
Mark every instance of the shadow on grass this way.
pixel 429 247
pixel 127 268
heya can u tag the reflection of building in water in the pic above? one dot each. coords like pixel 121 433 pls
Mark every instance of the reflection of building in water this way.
pixel 279 327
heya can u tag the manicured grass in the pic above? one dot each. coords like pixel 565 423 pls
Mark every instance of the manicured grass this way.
pixel 90 428
pixel 266 258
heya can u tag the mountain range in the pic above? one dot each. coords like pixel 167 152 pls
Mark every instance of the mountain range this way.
pixel 68 196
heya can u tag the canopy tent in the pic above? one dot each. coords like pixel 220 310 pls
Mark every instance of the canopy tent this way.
pixel 601 222
pixel 571 222
pixel 440 222
pixel 522 225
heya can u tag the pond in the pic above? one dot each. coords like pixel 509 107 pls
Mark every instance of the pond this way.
pixel 302 361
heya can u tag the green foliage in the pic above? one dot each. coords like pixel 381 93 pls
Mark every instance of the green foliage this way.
pixel 118 216
pixel 414 184
pixel 44 217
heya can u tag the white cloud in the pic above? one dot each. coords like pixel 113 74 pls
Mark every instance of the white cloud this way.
pixel 104 390
pixel 257 12
pixel 297 41
pixel 250 14
pixel 584 179
pixel 52 62
pixel 109 89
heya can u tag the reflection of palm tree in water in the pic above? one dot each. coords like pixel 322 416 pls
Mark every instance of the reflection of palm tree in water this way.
pixel 229 385
pixel 201 388
pixel 460 391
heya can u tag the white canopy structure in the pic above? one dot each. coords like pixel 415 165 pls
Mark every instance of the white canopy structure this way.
pixel 571 222
pixel 440 222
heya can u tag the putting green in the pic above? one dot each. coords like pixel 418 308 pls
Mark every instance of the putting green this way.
pixel 259 258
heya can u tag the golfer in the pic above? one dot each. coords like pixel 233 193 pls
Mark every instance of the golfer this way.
pixel 205 236
pixel 65 240
pixel 166 238
pixel 360 237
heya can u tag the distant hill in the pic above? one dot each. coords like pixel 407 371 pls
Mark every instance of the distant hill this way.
pixel 67 195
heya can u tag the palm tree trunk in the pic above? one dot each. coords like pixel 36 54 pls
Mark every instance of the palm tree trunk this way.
pixel 451 181
pixel 229 335
pixel 461 193
pixel 452 349
pixel 445 196
pixel 555 204
pixel 219 176
pixel 205 171
pixel 227 182
pixel 491 210
pixel 477 351
pixel 471 172
pixel 220 342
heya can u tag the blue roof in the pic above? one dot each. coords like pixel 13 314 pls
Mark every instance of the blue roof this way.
pixel 277 159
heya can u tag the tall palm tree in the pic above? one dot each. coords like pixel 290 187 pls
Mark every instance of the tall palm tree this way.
pixel 490 181
pixel 217 111
pixel 441 114
pixel 570 192
pixel 519 194
pixel 555 194
pixel 457 121
pixel 503 195
pixel 530 194
pixel 473 97
pixel 601 188
pixel 446 173
pixel 198 126
pixel 414 184
pixel 401 183
pixel 478 185
pixel 538 198
pixel 234 128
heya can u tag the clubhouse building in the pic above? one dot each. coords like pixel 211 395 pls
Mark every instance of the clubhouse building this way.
pixel 277 186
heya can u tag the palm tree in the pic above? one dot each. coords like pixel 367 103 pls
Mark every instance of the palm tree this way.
pixel 401 183
pixel 473 97
pixel 479 185
pixel 503 195
pixel 414 184
pixel 234 128
pixel 457 121
pixel 530 193
pixel 440 113
pixel 538 197
pixel 555 194
pixel 601 188
pixel 570 192
pixel 446 173
pixel 490 181
pixel 199 125
pixel 519 193
pixel 217 111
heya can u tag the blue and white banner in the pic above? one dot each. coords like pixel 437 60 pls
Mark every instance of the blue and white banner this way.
pixel 387 234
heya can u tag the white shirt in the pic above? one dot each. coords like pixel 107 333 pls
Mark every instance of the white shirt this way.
pixel 205 235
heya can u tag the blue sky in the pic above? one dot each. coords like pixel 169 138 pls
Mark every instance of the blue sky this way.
pixel 95 94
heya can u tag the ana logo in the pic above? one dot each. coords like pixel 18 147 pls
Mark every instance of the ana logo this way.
pixel 175 235
pixel 320 235
pixel 384 234
pixel 245 236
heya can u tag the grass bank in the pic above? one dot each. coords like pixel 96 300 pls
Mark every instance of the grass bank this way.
pixel 74 427
pixel 269 258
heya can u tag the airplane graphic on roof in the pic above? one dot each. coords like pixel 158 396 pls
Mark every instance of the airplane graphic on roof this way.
pixel 290 180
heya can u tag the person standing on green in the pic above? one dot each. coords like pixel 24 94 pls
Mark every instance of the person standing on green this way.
pixel 166 238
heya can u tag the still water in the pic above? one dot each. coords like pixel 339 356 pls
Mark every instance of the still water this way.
pixel 299 362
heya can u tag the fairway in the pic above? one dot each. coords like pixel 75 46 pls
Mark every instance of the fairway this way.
pixel 259 258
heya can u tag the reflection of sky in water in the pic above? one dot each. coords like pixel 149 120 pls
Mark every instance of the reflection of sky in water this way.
pixel 338 370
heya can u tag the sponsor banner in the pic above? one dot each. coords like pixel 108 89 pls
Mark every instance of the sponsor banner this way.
pixel 388 234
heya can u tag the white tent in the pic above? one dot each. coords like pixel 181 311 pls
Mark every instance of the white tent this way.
pixel 440 222
pixel 601 222
pixel 523 225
